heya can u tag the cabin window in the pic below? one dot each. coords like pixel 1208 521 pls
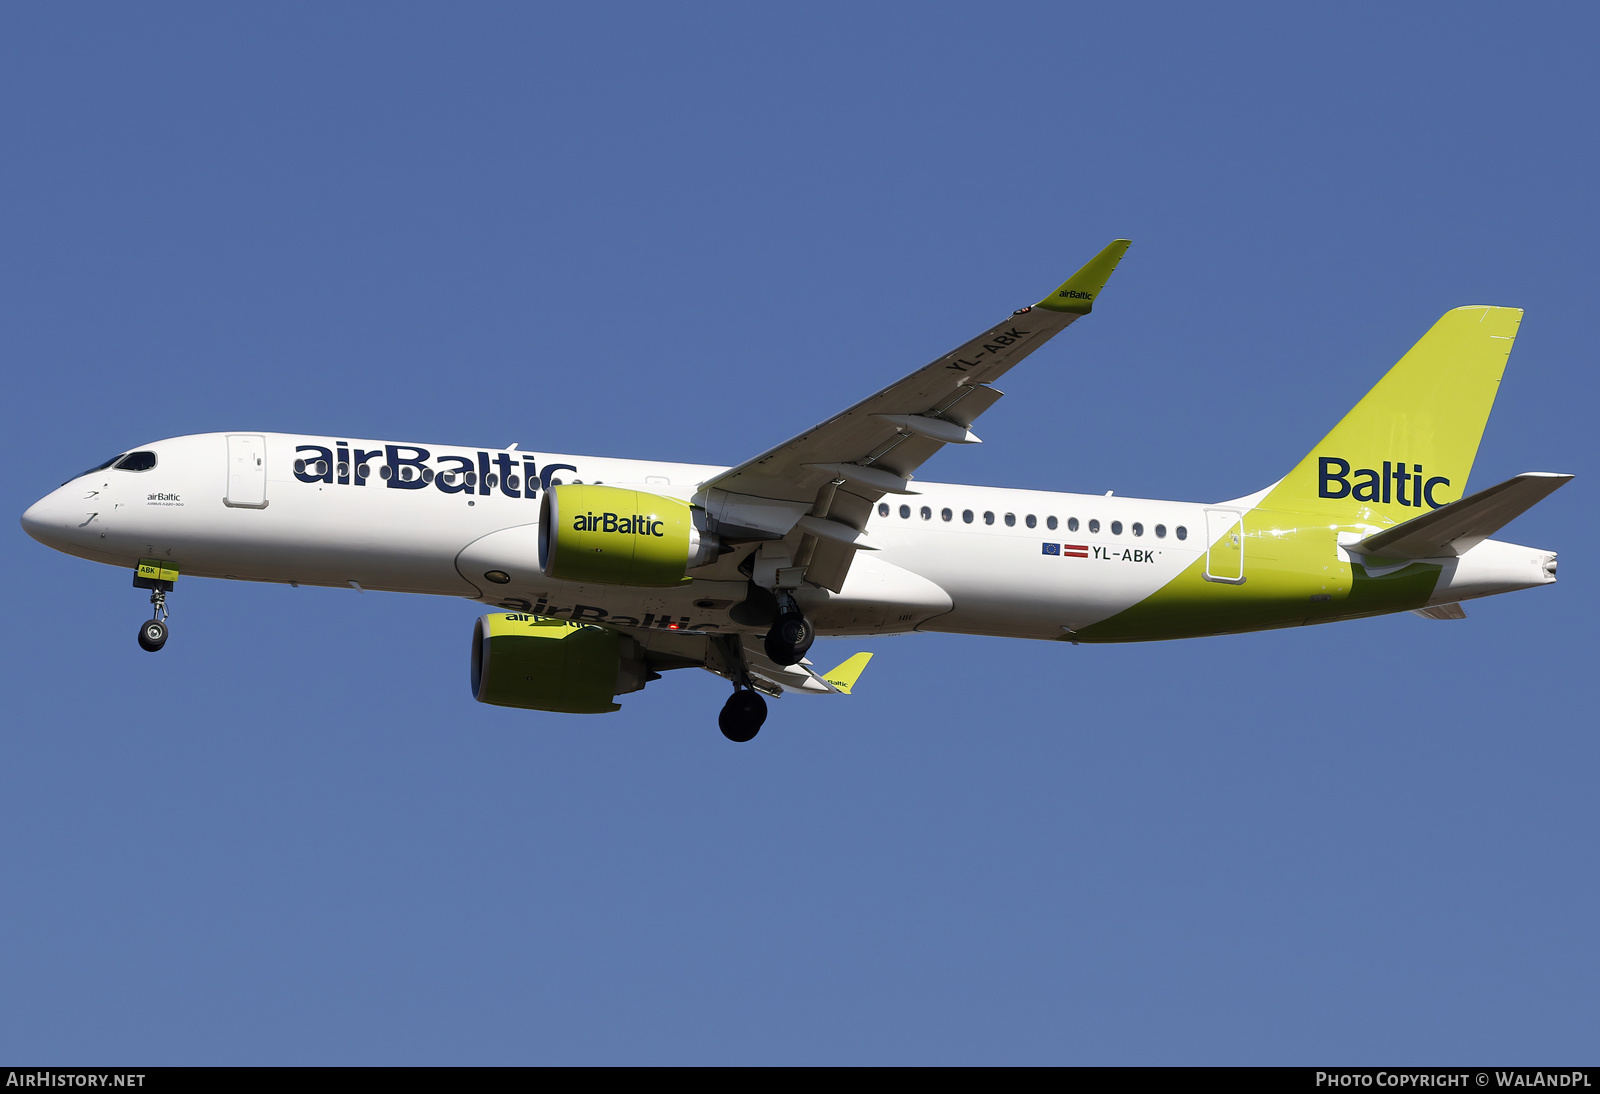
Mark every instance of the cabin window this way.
pixel 1072 524
pixel 988 517
pixel 512 482
pixel 927 514
pixel 472 479
pixel 883 508
pixel 1138 529
pixel 491 481
pixel 344 470
pixel 406 473
pixel 362 471
pixel 905 512
pixel 1094 526
pixel 966 516
pixel 384 472
pixel 1032 521
pixel 1050 523
pixel 1116 527
pixel 1011 520
pixel 1183 533
pixel 1161 531
pixel 427 474
pixel 945 514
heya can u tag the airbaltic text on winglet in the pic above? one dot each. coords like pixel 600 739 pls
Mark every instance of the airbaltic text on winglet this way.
pixel 1394 482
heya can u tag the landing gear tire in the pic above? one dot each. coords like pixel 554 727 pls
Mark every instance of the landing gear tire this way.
pixel 789 639
pixel 742 715
pixel 152 635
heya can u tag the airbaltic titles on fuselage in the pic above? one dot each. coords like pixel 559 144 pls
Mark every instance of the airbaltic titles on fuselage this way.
pixel 407 467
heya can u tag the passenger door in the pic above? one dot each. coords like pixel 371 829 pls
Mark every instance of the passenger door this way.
pixel 247 471
pixel 1225 546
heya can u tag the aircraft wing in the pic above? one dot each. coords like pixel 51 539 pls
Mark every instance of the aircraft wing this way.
pixel 817 490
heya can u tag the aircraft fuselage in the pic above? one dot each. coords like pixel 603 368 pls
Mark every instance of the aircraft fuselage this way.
pixel 463 521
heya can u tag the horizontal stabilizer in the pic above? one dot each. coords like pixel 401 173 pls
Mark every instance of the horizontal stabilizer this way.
pixel 801 679
pixel 1442 611
pixel 844 676
pixel 1456 528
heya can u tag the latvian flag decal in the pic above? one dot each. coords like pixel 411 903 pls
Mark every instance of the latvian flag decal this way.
pixel 1075 550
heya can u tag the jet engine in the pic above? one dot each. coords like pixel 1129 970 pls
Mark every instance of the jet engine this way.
pixel 610 535
pixel 536 663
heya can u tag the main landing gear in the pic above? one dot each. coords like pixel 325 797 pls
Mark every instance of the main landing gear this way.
pixel 742 715
pixel 153 632
pixel 791 635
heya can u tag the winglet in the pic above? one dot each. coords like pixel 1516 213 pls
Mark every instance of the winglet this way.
pixel 844 677
pixel 1077 294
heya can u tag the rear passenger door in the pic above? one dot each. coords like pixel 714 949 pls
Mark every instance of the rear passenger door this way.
pixel 1225 546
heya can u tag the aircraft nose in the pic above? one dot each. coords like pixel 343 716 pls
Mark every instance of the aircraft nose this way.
pixel 46 520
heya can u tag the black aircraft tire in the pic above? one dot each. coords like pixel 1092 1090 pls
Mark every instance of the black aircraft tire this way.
pixel 152 635
pixel 789 639
pixel 742 716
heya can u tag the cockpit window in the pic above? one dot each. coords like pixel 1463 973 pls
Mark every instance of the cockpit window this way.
pixel 98 467
pixel 137 461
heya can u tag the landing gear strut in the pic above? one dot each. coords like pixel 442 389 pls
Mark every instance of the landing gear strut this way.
pixel 742 715
pixel 153 632
pixel 791 636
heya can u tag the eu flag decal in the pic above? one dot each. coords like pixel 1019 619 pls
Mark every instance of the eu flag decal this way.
pixel 1052 548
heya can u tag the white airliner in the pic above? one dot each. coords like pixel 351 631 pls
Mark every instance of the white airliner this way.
pixel 609 572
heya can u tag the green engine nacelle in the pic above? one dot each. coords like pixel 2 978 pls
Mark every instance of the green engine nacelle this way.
pixel 536 663
pixel 610 535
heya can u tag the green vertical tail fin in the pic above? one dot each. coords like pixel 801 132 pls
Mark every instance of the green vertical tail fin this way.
pixel 1409 445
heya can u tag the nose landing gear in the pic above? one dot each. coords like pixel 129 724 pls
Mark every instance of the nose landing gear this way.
pixel 152 635
pixel 153 632
pixel 158 577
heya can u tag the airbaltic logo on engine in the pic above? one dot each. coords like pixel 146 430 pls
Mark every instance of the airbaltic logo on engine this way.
pixel 1393 484
pixel 610 522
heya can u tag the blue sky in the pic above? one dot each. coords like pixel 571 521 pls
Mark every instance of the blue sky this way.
pixel 688 234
